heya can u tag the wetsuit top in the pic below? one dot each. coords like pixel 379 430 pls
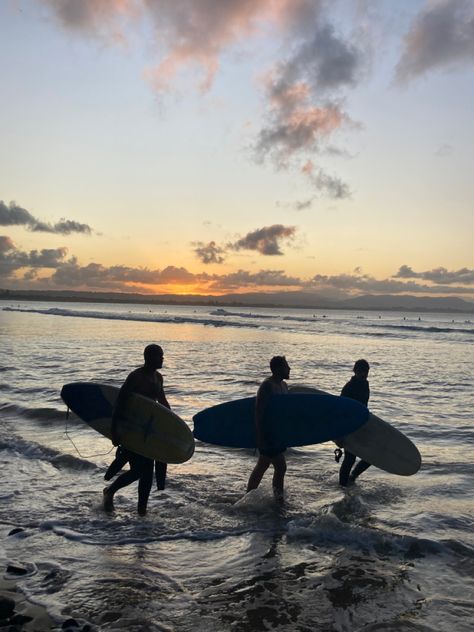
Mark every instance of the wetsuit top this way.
pixel 357 388
pixel 142 383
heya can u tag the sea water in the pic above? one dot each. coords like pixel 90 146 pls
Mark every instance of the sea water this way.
pixel 390 553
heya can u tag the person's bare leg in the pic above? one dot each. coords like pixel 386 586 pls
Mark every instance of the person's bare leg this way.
pixel 259 470
pixel 279 465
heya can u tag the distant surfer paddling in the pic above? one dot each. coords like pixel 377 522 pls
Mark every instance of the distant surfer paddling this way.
pixel 356 388
pixel 270 453
pixel 147 381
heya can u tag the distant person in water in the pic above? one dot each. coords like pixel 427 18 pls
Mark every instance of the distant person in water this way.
pixel 270 453
pixel 147 381
pixel 356 388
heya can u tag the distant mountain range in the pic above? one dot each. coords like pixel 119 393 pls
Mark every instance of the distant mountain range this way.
pixel 402 302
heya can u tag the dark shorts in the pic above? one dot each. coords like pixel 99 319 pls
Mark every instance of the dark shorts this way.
pixel 271 453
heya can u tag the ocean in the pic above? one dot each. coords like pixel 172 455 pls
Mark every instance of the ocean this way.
pixel 389 553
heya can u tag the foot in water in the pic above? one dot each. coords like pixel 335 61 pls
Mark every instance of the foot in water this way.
pixel 108 503
pixel 141 510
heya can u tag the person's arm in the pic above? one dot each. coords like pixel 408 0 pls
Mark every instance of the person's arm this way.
pixel 347 390
pixel 126 390
pixel 161 399
pixel 263 396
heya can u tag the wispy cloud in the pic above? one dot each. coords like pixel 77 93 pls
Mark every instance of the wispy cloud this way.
pixel 101 18
pixel 441 36
pixel 14 215
pixel 333 186
pixel 304 91
pixel 302 205
pixel 444 150
pixel 197 32
pixel 209 253
pixel 305 95
pixel 189 34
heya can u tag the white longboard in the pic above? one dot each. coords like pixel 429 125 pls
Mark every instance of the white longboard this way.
pixel 378 443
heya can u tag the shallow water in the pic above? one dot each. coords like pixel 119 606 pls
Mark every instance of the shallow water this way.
pixel 390 553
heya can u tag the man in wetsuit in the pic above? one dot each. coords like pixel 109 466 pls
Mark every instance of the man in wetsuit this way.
pixel 147 381
pixel 269 452
pixel 356 388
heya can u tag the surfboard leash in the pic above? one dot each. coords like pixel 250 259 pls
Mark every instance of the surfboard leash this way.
pixel 83 456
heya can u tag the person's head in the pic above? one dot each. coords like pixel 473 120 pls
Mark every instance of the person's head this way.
pixel 361 368
pixel 153 355
pixel 280 367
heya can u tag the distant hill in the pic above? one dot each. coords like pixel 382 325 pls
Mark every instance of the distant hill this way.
pixel 407 302
pixel 253 299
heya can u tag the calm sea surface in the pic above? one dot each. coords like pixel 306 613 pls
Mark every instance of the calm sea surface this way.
pixel 390 553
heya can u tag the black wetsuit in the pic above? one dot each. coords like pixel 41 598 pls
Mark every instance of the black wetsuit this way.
pixel 357 388
pixel 141 467
pixel 141 470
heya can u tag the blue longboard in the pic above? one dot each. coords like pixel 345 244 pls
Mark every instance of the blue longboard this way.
pixel 293 419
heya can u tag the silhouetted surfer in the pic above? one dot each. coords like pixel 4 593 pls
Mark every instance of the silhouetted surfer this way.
pixel 146 381
pixel 356 388
pixel 269 452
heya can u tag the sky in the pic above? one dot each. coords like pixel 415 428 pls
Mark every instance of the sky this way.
pixel 228 146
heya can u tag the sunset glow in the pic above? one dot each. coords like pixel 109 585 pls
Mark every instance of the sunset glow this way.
pixel 200 147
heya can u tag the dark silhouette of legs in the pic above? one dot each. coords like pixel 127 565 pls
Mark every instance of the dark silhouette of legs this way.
pixel 345 470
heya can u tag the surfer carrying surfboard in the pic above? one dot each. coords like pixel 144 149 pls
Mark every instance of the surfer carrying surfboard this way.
pixel 146 381
pixel 269 452
pixel 356 388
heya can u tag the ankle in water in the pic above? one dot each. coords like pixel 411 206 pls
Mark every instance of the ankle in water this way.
pixel 108 500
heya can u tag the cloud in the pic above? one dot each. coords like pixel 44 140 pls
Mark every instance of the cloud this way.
pixel 96 17
pixel 297 132
pixel 196 32
pixel 444 150
pixel 13 259
pixel 302 205
pixel 14 215
pixel 305 95
pixel 323 61
pixel 463 276
pixel 96 275
pixel 190 34
pixel 265 240
pixel 209 253
pixel 333 186
pixel 364 283
pixel 21 267
pixel 303 91
pixel 441 36
pixel 263 278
